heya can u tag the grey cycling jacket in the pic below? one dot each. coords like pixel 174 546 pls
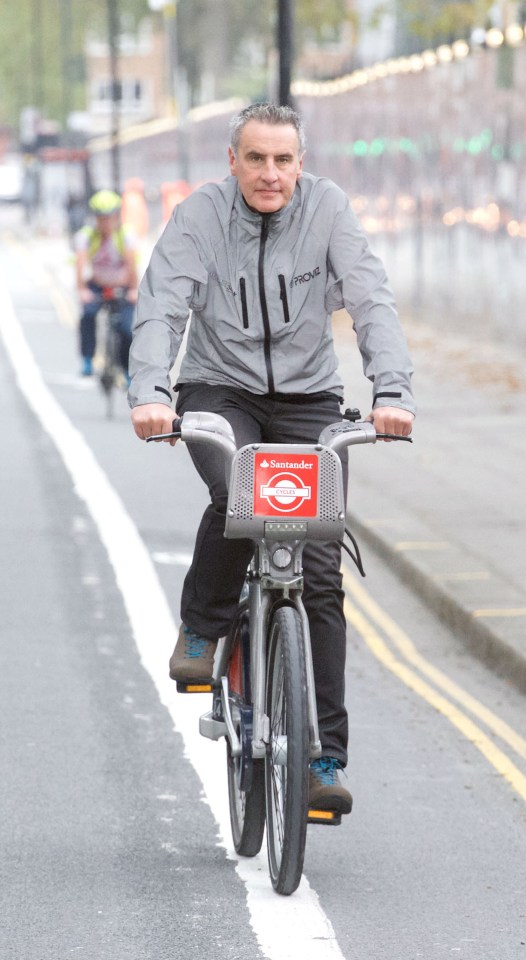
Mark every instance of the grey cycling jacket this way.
pixel 261 289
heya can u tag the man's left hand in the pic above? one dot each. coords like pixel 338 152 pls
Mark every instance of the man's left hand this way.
pixel 392 420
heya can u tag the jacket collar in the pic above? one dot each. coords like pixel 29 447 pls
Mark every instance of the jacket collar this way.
pixel 252 220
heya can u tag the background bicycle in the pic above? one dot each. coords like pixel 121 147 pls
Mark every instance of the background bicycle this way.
pixel 114 338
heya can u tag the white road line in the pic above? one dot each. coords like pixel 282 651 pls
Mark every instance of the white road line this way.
pixel 172 559
pixel 287 928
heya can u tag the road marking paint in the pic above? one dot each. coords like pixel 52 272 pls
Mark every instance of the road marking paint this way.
pixel 440 679
pixel 463 575
pixel 422 545
pixel 66 314
pixel 383 522
pixel 73 381
pixel 501 612
pixel 286 928
pixel 176 559
pixel 63 305
pixel 474 734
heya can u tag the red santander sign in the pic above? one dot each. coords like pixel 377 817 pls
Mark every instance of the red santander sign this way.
pixel 286 485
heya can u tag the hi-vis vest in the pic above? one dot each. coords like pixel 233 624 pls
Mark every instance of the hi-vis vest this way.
pixel 94 239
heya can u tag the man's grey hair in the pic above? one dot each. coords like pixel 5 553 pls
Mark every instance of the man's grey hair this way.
pixel 266 113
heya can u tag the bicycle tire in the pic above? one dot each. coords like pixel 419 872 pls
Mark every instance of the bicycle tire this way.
pixel 246 777
pixel 110 367
pixel 286 775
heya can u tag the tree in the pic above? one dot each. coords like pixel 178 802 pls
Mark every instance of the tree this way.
pixel 427 23
pixel 234 39
pixel 42 52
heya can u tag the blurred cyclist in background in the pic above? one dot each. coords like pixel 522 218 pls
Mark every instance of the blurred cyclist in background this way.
pixel 106 268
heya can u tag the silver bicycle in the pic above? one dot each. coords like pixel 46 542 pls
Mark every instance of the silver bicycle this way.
pixel 264 703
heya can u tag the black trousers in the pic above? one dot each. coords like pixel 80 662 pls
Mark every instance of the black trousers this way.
pixel 88 325
pixel 213 583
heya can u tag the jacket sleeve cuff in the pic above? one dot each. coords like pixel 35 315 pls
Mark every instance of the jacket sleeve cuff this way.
pixel 160 395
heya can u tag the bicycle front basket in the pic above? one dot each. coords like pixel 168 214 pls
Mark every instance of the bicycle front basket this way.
pixel 298 486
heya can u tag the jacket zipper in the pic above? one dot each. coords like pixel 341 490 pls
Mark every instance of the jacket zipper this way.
pixel 263 302
pixel 244 308
pixel 283 297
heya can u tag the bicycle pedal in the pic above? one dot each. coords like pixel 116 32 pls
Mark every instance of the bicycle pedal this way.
pixel 329 818
pixel 185 687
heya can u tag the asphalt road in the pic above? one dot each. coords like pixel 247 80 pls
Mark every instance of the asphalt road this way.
pixel 114 831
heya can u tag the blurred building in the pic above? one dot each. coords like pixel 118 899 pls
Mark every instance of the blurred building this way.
pixel 140 89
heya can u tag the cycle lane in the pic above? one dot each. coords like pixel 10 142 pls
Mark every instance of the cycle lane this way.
pixel 109 849
pixel 280 928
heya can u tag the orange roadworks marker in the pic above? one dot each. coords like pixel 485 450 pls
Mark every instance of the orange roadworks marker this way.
pixel 134 211
pixel 171 195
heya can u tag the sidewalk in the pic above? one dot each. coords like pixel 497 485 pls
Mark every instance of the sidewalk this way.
pixel 448 513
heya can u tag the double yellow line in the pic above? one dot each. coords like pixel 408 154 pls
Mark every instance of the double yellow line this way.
pixel 451 700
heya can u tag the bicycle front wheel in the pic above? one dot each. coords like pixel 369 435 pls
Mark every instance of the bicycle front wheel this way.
pixel 246 776
pixel 110 366
pixel 287 761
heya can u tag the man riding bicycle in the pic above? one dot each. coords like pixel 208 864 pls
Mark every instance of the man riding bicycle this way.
pixel 262 259
pixel 106 268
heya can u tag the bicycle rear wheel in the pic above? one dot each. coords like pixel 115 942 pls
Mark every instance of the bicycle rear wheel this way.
pixel 246 777
pixel 287 761
pixel 110 365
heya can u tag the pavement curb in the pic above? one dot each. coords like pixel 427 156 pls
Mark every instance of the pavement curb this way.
pixel 436 577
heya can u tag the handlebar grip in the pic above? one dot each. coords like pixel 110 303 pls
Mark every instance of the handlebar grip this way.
pixel 175 434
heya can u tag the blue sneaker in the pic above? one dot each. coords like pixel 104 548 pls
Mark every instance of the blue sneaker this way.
pixel 325 789
pixel 87 367
pixel 193 657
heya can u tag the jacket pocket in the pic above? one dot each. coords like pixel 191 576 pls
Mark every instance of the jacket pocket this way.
pixel 244 308
pixel 283 297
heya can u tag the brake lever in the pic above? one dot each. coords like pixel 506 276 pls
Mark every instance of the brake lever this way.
pixel 393 436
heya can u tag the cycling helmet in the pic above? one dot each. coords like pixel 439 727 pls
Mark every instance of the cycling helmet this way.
pixel 104 203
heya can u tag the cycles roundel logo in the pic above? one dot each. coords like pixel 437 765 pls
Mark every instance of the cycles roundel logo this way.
pixel 286 484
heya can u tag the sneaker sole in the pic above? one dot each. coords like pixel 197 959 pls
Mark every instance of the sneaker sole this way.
pixel 180 678
pixel 335 804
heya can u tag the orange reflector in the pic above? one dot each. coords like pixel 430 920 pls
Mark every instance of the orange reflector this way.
pixel 322 814
pixel 198 688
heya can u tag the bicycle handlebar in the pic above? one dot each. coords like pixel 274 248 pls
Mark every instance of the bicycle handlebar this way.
pixel 201 427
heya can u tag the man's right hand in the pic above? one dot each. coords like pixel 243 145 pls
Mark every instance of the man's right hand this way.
pixel 86 295
pixel 149 419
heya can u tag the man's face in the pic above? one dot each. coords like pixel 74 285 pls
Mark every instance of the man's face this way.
pixel 267 165
pixel 107 224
